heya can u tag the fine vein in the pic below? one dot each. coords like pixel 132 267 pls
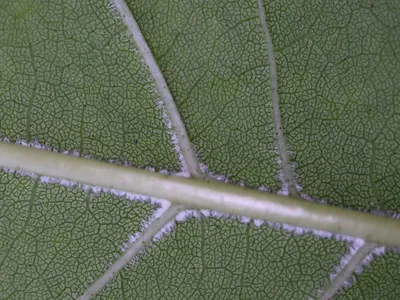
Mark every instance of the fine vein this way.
pixel 143 240
pixel 332 288
pixel 202 194
pixel 177 125
pixel 286 167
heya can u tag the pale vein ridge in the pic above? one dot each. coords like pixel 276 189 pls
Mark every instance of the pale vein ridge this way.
pixel 355 261
pixel 175 119
pixel 180 137
pixel 286 167
pixel 142 241
pixel 201 194
pixel 358 257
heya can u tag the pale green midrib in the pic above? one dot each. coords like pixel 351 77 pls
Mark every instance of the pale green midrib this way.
pixel 286 167
pixel 177 125
pixel 338 282
pixel 201 194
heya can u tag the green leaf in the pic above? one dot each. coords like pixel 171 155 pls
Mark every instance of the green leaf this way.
pixel 72 79
pixel 380 280
pixel 338 73
pixel 55 240
pixel 214 57
pixel 298 97
pixel 225 259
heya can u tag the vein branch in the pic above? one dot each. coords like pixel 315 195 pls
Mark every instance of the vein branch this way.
pixel 177 125
pixel 186 149
pixel 143 240
pixel 333 287
pixel 286 167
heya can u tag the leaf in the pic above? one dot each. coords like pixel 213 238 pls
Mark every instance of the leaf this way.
pixel 224 259
pixel 57 239
pixel 380 280
pixel 72 79
pixel 338 69
pixel 214 58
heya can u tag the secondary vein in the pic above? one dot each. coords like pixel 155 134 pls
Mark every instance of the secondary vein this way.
pixel 177 125
pixel 187 157
pixel 333 287
pixel 286 167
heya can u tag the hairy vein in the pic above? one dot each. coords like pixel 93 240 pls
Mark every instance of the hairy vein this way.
pixel 286 167
pixel 358 257
pixel 203 194
pixel 187 157
pixel 333 287
pixel 143 240
pixel 177 125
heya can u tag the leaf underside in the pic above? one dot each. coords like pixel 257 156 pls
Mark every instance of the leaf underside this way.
pixel 72 79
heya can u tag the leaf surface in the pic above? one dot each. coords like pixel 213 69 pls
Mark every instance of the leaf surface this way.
pixel 338 76
pixel 214 58
pixel 71 78
pixel 380 280
pixel 225 259
pixel 55 240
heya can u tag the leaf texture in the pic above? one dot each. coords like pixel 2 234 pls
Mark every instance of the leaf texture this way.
pixel 72 79
pixel 224 259
pixel 55 240
pixel 380 280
